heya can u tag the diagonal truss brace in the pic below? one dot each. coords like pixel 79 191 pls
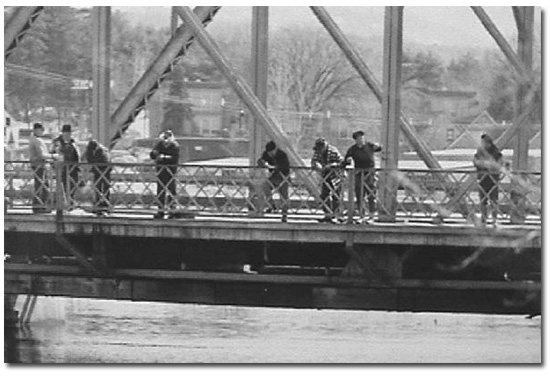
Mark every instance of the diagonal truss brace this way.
pixel 151 80
pixel 17 26
pixel 73 250
pixel 503 44
pixel 245 93
pixel 368 76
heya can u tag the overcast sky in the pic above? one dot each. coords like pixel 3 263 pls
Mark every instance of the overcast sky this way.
pixel 426 25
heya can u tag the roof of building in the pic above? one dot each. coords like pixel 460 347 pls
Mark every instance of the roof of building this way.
pixel 205 84
pixel 442 93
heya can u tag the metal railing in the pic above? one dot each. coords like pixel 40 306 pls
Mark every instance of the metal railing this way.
pixel 348 195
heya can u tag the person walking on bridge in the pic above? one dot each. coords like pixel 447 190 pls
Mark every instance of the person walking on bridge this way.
pixel 277 162
pixel 361 156
pixel 65 150
pixel 166 155
pixel 328 161
pixel 39 157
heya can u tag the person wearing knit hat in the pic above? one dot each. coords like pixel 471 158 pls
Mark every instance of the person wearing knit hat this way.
pixel 166 155
pixel 64 148
pixel 327 160
pixel 361 156
pixel 278 164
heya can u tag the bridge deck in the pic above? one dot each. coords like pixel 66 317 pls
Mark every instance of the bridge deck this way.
pixel 173 260
pixel 270 229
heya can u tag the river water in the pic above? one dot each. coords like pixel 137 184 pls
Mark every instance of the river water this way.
pixel 96 331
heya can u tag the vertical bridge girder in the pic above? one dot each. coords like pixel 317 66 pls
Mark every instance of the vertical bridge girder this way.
pixel 368 76
pixel 391 108
pixel 246 94
pixel 260 63
pixel 17 26
pixel 151 80
pixel 101 73
pixel 525 53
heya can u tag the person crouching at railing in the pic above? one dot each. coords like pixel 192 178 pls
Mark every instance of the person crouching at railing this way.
pixel 39 157
pixel 328 161
pixel 277 162
pixel 64 149
pixel 98 155
pixel 361 156
pixel 166 156
pixel 488 162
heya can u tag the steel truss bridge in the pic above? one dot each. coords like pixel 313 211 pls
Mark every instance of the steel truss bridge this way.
pixel 422 214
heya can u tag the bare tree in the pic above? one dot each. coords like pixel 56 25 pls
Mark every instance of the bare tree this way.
pixel 307 75
pixel 306 71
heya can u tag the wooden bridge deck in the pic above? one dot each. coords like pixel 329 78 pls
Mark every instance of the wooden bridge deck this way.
pixel 272 230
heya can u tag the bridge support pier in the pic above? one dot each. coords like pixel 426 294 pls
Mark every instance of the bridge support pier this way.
pixel 378 264
pixel 100 254
pixel 11 316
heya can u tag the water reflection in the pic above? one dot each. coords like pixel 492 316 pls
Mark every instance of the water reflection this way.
pixel 94 331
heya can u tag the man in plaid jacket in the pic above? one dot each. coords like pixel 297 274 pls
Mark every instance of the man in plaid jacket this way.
pixel 328 161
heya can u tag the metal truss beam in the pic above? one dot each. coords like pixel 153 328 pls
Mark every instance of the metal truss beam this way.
pixel 77 253
pixel 391 107
pixel 260 61
pixel 17 26
pixel 173 22
pixel 101 73
pixel 368 76
pixel 500 40
pixel 245 93
pixel 151 80
pixel 525 53
pixel 517 16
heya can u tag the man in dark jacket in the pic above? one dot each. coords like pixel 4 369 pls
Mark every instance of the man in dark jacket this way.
pixel 166 156
pixel 488 162
pixel 277 162
pixel 98 156
pixel 361 156
pixel 328 161
pixel 66 150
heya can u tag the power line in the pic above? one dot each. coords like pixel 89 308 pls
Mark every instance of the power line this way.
pixel 40 74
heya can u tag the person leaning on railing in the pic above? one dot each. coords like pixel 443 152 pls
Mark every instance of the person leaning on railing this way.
pixel 328 161
pixel 488 162
pixel 361 156
pixel 39 158
pixel 277 162
pixel 166 156
pixel 98 155
pixel 64 149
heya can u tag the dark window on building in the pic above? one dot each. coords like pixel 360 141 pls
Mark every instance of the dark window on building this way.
pixel 450 135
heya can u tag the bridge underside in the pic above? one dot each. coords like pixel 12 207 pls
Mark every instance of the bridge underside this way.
pixel 263 262
pixel 274 291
